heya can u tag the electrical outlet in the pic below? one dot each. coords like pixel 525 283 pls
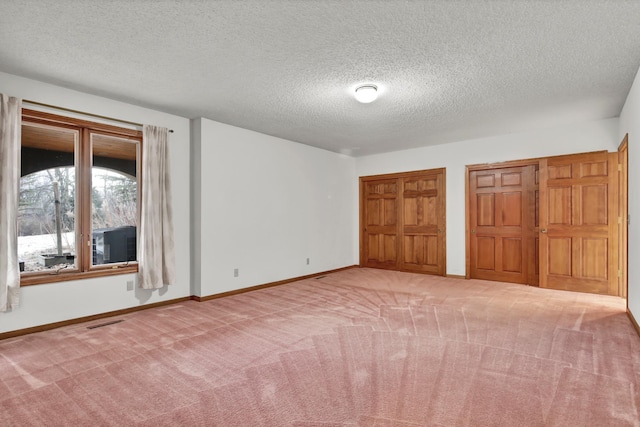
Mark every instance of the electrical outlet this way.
pixel 129 285
pixel 307 261
pixel 236 273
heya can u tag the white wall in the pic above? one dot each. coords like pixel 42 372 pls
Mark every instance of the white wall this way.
pixel 266 205
pixel 630 123
pixel 42 304
pixel 578 138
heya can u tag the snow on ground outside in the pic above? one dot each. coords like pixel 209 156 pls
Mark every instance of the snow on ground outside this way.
pixel 31 247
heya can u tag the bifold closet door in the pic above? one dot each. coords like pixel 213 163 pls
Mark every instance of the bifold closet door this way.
pixel 379 223
pixel 403 221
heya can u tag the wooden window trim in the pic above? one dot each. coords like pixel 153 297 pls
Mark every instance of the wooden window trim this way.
pixel 85 270
pixel 30 279
pixel 49 118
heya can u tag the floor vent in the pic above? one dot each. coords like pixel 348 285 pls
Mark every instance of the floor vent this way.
pixel 113 322
pixel 320 277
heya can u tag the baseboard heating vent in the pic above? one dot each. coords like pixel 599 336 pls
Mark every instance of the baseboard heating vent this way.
pixel 320 277
pixel 100 325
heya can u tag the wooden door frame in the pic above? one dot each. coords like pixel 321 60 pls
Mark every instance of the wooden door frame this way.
pixel 623 214
pixel 398 175
pixel 467 201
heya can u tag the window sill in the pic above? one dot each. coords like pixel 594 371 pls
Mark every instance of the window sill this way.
pixel 41 279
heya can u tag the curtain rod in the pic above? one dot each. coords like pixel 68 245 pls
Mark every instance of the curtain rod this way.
pixel 41 104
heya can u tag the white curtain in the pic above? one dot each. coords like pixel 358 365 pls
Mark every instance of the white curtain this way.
pixel 156 260
pixel 10 131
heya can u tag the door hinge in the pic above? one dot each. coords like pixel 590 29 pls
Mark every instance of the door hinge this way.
pixel 619 220
pixel 619 273
pixel 619 167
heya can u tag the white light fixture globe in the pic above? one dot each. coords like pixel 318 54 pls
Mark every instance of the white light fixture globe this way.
pixel 366 93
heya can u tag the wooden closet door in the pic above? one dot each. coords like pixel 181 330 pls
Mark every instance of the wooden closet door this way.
pixel 423 223
pixel 578 223
pixel 379 221
pixel 502 222
pixel 403 221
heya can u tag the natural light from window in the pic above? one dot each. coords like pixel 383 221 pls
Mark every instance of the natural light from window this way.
pixel 114 218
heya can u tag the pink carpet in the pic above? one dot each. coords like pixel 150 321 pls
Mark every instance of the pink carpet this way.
pixel 361 347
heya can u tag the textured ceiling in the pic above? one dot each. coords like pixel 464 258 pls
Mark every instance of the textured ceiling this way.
pixel 447 70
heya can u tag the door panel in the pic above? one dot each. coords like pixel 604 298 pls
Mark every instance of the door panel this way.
pixel 512 255
pixel 423 226
pixel 594 204
pixel 382 248
pixel 578 223
pixel 560 205
pixel 486 253
pixel 511 179
pixel 594 258
pixel 512 209
pixel 561 262
pixel 380 217
pixel 502 221
pixel 486 209
pixel 420 250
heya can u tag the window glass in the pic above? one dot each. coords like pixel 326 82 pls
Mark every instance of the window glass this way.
pixel 47 210
pixel 114 196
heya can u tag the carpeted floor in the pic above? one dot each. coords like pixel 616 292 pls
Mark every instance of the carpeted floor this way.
pixel 361 347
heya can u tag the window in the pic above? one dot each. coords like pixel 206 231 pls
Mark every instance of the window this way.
pixel 79 192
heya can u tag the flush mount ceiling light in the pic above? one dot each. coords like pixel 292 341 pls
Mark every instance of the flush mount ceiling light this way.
pixel 366 93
